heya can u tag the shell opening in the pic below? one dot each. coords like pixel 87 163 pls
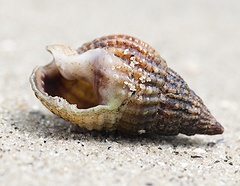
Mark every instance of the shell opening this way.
pixel 49 81
pixel 86 80
pixel 81 88
pixel 59 78
pixel 77 92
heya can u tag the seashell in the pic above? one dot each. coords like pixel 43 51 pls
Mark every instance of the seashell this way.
pixel 118 82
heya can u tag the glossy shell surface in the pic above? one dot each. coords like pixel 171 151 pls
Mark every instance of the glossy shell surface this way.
pixel 118 82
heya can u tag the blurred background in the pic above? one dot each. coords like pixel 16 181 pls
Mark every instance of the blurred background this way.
pixel 191 35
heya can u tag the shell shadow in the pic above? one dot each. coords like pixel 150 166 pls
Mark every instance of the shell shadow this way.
pixel 50 126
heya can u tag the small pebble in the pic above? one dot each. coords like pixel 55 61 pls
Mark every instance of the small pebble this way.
pixel 199 151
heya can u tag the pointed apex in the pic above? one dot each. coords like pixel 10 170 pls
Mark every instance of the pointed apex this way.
pixel 206 127
pixel 208 124
pixel 216 129
pixel 211 128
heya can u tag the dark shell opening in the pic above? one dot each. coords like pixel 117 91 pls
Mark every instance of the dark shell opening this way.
pixel 77 92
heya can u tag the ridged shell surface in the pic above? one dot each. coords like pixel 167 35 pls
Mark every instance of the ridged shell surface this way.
pixel 118 82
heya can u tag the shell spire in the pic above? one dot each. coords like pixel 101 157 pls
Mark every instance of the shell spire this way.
pixel 118 82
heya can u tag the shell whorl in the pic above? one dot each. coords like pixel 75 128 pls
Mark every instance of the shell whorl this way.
pixel 157 99
pixel 160 99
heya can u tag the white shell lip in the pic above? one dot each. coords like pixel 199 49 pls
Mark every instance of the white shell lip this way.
pixel 96 116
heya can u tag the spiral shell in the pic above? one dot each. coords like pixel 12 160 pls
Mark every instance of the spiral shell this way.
pixel 118 82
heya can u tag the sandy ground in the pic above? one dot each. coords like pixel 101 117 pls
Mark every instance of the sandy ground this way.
pixel 199 39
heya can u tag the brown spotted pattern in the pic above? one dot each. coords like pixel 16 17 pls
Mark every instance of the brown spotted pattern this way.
pixel 161 101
